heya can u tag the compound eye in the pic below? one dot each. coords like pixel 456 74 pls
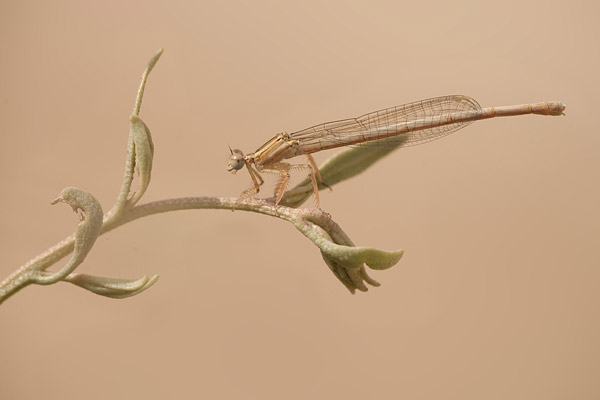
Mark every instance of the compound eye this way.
pixel 235 163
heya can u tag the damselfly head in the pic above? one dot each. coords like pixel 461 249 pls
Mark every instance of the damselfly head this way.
pixel 236 161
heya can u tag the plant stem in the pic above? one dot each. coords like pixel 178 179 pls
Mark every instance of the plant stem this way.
pixel 21 277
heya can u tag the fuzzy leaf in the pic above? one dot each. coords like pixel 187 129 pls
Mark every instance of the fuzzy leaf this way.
pixel 116 288
pixel 144 154
pixel 90 215
pixel 342 166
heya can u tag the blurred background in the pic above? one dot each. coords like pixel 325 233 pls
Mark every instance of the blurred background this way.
pixel 496 296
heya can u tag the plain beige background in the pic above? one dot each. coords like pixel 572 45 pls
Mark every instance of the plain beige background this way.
pixel 496 296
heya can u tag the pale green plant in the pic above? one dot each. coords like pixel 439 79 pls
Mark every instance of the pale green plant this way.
pixel 344 259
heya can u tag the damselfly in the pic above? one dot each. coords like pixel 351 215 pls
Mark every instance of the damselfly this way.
pixel 416 123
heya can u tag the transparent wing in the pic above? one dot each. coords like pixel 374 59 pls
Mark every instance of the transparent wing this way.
pixel 383 128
